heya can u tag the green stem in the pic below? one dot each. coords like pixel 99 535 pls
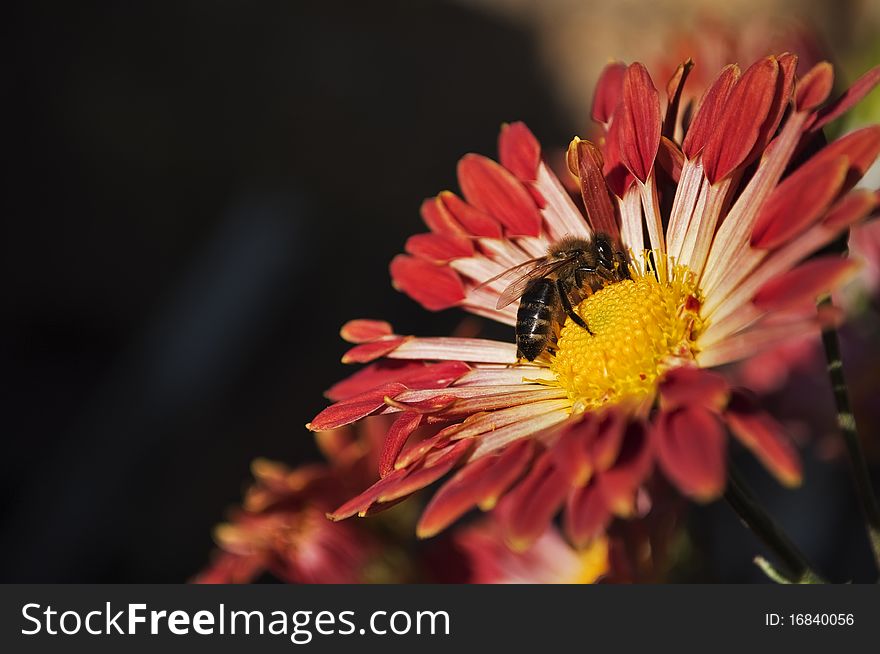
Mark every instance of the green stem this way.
pixel 743 501
pixel 846 422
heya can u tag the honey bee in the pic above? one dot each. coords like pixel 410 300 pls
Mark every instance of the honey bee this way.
pixel 572 269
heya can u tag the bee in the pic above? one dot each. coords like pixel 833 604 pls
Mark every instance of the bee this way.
pixel 572 269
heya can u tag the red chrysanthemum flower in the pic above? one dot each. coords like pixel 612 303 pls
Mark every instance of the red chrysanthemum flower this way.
pixel 719 228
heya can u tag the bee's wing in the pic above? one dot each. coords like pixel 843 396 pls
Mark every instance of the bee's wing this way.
pixel 516 288
pixel 513 272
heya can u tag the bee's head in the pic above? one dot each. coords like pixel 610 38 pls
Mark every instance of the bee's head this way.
pixel 605 250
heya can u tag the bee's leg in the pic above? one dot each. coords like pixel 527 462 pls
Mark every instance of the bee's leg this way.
pixel 566 304
pixel 579 273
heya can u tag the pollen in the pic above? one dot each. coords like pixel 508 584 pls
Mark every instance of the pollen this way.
pixel 640 328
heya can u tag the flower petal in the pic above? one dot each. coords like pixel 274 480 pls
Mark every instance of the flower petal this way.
pixel 851 97
pixel 640 132
pixel 758 338
pixel 519 151
pixel 362 331
pixel 802 285
pixel 671 159
pixel 585 161
pixel 799 201
pixel 492 189
pixel 533 426
pixel 525 512
pixel 414 374
pixel 586 515
pixel 354 408
pixel 673 94
pixel 610 433
pixel 850 209
pixel 475 222
pixel 490 422
pixel 781 100
pixel 561 216
pixel 742 118
pixel 434 287
pixel 439 219
pixel 435 402
pixel 439 248
pixel 434 468
pixel 708 116
pixel 691 450
pixel 476 350
pixel 814 87
pixel 619 484
pixel 366 352
pixel 360 504
pixel 399 432
pixel 608 91
pixel 486 375
pixel 572 450
pixel 765 438
pixel 479 483
pixel 861 147
pixel 691 386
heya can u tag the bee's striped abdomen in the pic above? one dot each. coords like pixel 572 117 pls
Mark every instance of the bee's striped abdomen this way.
pixel 534 319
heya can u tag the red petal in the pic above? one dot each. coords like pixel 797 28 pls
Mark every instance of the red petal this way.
pixel 765 438
pixel 571 450
pixel 742 119
pixel 673 95
pixel 692 386
pixel 605 447
pixel 586 515
pixel 802 285
pixel 852 96
pixel 608 91
pixel 619 483
pixel 433 404
pixel 526 511
pixel 670 159
pixel 439 248
pixel 691 449
pixel 799 201
pixel 618 178
pixel 399 432
pixel 426 475
pixel 362 331
pixel 708 116
pixel 434 287
pixel 586 160
pixel 353 409
pixel 491 188
pixel 418 451
pixel 861 147
pixel 360 504
pixel 850 209
pixel 781 100
pixel 479 483
pixel 439 219
pixel 414 374
pixel 366 352
pixel 640 133
pixel 519 151
pixel 474 221
pixel 814 87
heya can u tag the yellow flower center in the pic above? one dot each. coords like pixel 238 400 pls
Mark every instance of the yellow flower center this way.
pixel 640 328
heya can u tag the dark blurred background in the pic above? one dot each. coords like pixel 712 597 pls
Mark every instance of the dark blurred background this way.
pixel 201 194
